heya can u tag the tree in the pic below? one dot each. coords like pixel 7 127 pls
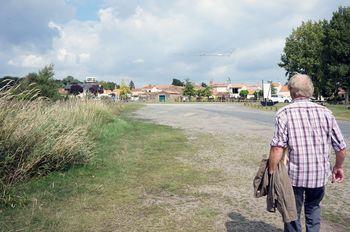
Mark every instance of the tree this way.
pixel 204 84
pixel 205 92
pixel 69 80
pixel 131 85
pixel 76 89
pixel 337 50
pixel 95 89
pixel 189 89
pixel 46 83
pixel 258 94
pixel 124 90
pixel 108 85
pixel 177 82
pixel 303 52
pixel 243 93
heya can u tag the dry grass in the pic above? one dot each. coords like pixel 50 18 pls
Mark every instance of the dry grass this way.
pixel 39 136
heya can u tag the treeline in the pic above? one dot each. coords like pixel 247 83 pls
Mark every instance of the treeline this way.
pixel 43 84
pixel 321 50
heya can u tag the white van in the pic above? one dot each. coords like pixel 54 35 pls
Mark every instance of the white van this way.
pixel 278 98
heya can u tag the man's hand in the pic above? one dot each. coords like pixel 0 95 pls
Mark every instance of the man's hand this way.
pixel 337 174
pixel 338 171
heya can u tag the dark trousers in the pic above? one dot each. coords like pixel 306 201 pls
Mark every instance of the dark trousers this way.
pixel 313 197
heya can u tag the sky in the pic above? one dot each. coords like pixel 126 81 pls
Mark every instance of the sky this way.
pixel 152 42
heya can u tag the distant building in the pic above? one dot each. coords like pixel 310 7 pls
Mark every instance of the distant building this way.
pixel 158 93
pixel 90 80
pixel 284 91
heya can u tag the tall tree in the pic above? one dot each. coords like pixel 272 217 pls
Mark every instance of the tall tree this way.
pixel 303 52
pixel 189 89
pixel 337 49
pixel 131 85
pixel 177 82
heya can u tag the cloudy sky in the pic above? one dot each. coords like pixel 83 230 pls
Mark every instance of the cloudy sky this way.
pixel 150 41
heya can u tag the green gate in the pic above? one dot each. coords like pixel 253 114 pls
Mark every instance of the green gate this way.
pixel 161 98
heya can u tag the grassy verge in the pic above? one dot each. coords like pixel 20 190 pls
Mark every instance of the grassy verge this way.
pixel 135 183
pixel 339 111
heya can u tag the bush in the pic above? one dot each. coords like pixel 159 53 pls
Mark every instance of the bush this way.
pixel 39 136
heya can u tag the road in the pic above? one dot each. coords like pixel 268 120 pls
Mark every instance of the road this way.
pixel 222 116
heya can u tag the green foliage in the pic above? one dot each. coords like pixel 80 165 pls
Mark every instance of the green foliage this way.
pixel 189 89
pixel 337 49
pixel 131 85
pixel 205 92
pixel 41 84
pixel 69 80
pixel 303 52
pixel 258 94
pixel 108 85
pixel 177 82
pixel 124 90
pixel 243 93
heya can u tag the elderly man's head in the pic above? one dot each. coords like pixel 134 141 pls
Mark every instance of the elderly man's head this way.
pixel 300 85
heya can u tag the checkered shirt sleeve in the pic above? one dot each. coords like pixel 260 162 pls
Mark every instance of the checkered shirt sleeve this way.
pixel 337 139
pixel 280 137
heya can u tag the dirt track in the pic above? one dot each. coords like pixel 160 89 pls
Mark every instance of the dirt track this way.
pixel 231 140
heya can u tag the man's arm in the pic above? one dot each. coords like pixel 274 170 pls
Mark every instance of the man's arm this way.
pixel 338 170
pixel 275 157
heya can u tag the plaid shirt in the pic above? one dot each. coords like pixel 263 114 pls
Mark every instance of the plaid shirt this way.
pixel 308 130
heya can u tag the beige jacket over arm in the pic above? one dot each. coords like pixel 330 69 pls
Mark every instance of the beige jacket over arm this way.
pixel 278 189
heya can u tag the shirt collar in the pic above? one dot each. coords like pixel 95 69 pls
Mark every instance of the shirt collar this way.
pixel 301 99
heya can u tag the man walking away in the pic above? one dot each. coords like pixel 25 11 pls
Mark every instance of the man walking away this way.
pixel 307 130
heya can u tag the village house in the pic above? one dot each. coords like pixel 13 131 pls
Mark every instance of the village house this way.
pixel 284 91
pixel 160 93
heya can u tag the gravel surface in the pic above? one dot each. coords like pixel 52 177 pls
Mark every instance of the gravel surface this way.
pixel 231 140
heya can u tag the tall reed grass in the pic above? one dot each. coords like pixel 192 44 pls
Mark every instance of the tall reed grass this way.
pixel 39 136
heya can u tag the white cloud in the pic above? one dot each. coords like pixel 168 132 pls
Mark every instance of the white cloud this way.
pixel 138 61
pixel 28 61
pixel 141 41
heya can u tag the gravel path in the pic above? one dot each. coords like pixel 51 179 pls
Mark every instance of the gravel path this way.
pixel 231 140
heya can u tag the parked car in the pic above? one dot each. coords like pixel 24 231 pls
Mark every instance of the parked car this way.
pixel 278 98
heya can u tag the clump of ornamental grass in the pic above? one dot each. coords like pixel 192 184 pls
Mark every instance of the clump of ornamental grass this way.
pixel 38 136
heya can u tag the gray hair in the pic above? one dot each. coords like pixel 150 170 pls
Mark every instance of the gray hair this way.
pixel 300 85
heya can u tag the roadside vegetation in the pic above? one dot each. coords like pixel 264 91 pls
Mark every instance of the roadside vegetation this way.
pixel 39 136
pixel 130 183
pixel 341 112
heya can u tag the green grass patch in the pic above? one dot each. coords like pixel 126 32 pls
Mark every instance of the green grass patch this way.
pixel 340 111
pixel 134 161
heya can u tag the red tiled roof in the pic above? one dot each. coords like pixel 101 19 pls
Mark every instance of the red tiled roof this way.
pixel 284 89
pixel 274 84
pixel 236 85
pixel 218 84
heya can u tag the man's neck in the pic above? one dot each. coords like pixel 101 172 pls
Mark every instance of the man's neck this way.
pixel 301 98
